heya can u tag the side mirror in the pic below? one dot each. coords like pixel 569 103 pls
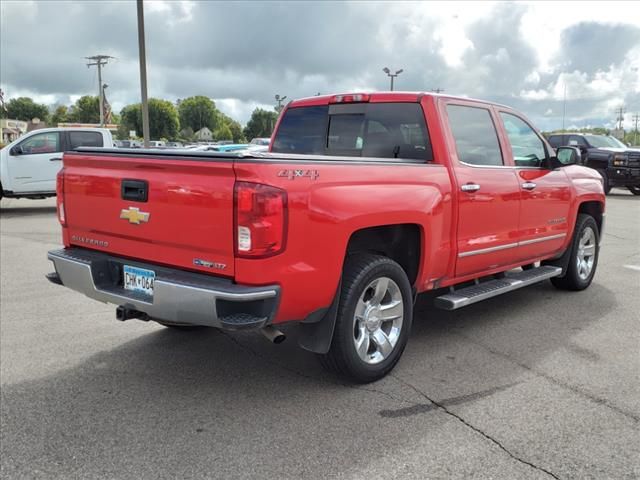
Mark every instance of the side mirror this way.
pixel 15 151
pixel 565 156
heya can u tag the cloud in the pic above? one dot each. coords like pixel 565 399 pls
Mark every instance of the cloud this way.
pixel 243 53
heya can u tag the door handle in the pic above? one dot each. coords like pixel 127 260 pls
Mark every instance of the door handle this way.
pixel 470 187
pixel 529 185
pixel 55 159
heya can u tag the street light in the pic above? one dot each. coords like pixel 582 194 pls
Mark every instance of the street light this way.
pixel 279 99
pixel 392 75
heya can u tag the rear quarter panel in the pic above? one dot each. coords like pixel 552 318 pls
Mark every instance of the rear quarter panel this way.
pixel 326 210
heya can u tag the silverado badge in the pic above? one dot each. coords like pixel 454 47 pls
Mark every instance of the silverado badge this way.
pixel 134 215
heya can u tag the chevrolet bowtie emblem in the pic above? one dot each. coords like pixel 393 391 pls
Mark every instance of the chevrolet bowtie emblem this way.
pixel 134 215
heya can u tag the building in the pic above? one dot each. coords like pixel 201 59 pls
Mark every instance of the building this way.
pixel 204 134
pixel 12 129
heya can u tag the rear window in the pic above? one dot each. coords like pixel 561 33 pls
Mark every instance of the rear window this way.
pixel 380 130
pixel 85 139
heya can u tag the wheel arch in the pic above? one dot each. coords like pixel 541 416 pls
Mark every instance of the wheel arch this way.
pixel 399 242
pixel 595 209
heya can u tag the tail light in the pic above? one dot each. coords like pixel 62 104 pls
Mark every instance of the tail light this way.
pixel 62 217
pixel 260 220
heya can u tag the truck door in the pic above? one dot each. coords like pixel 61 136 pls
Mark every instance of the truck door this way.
pixel 545 194
pixel 34 163
pixel 489 193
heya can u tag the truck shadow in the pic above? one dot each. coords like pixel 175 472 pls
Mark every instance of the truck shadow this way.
pixel 11 212
pixel 226 402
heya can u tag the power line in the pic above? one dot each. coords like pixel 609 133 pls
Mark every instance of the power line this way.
pixel 437 90
pixel 99 61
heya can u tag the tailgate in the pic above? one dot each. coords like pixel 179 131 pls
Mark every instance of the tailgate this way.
pixel 185 221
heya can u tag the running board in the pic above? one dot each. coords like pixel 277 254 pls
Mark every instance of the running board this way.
pixel 492 288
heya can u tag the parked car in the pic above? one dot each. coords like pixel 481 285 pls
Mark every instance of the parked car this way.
pixel 618 164
pixel 260 141
pixel 364 201
pixel 29 164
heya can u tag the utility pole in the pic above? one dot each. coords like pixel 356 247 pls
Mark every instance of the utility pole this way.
pixel 620 116
pixel 437 90
pixel 99 61
pixel 635 119
pixel 143 73
pixel 564 105
pixel 279 99
pixel 392 75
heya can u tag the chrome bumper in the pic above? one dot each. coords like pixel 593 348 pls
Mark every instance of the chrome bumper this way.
pixel 178 296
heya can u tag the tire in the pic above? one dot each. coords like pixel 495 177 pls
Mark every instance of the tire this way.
pixel 635 189
pixel 381 341
pixel 605 183
pixel 579 275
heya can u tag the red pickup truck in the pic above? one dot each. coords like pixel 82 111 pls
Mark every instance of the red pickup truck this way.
pixel 362 202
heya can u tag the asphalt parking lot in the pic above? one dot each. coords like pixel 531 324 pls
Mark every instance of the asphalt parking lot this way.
pixel 535 384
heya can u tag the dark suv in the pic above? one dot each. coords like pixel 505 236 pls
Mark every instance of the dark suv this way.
pixel 618 164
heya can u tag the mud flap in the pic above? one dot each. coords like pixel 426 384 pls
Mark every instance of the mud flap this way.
pixel 316 331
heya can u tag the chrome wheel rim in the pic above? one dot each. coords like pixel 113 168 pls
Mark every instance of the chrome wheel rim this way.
pixel 586 253
pixel 377 321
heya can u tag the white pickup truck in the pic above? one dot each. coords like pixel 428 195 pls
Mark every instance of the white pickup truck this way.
pixel 29 165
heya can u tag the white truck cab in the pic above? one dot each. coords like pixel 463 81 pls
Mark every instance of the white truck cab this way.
pixel 29 165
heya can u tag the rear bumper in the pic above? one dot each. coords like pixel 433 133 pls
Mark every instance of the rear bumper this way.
pixel 623 176
pixel 178 297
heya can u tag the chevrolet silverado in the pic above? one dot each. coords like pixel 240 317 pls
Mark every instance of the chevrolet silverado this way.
pixel 362 202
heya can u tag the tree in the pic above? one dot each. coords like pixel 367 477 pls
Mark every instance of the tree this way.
pixel 197 112
pixel 24 108
pixel 223 133
pixel 236 129
pixel 163 119
pixel 260 124
pixel 60 115
pixel 86 110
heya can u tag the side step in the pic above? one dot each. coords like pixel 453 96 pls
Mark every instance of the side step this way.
pixel 492 288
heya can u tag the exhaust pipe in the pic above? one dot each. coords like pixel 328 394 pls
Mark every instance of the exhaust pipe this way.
pixel 273 334
pixel 125 313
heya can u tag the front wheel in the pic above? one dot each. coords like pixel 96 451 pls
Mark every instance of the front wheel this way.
pixel 374 319
pixel 584 256
pixel 635 189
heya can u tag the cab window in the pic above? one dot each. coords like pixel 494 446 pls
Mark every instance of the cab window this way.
pixel 84 139
pixel 475 135
pixel 577 141
pixel 528 149
pixel 48 142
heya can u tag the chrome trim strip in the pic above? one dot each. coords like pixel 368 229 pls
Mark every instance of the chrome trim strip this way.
pixel 510 245
pixel 487 250
pixel 542 239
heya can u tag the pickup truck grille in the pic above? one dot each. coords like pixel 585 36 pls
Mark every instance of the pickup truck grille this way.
pixel 634 159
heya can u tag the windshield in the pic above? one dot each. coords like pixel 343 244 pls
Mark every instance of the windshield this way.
pixel 603 141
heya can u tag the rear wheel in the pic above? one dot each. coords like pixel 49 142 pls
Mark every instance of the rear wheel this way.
pixel 584 256
pixel 605 181
pixel 635 189
pixel 374 319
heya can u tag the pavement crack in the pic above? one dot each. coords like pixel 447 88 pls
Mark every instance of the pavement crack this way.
pixel 555 381
pixel 446 410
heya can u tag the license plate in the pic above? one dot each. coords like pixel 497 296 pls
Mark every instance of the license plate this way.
pixel 138 279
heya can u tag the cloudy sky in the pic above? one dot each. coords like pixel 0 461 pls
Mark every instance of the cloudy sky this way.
pixel 243 53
